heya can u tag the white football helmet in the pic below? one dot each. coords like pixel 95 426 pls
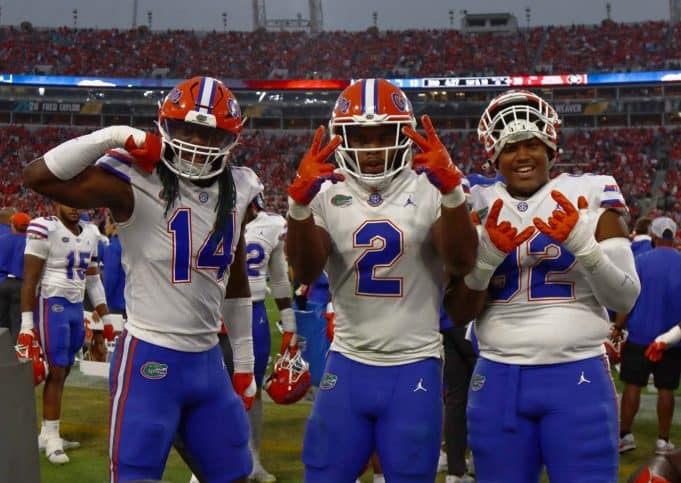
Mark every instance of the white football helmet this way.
pixel 518 115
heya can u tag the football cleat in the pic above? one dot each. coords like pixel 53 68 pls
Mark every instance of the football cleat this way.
pixel 66 444
pixel 55 452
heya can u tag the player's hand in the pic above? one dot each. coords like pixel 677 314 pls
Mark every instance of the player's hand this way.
pixel 145 148
pixel 614 344
pixel 330 326
pixel 497 240
pixel 314 170
pixel 568 225
pixel 26 338
pixel 289 341
pixel 655 351
pixel 244 386
pixel 433 160
pixel 109 331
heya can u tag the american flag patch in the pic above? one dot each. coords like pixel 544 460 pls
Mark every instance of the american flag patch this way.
pixel 611 187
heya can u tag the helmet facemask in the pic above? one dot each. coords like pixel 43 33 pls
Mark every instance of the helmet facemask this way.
pixel 295 365
pixel 192 160
pixel 394 150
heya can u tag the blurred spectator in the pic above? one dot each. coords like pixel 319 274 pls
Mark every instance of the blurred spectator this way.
pixel 641 241
pixel 12 273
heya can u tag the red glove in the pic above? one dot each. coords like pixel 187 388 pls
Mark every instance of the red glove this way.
pixel 314 169
pixel 504 236
pixel 330 327
pixel 244 386
pixel 109 332
pixel 434 159
pixel 26 338
pixel 568 225
pixel 148 154
pixel 655 351
pixel 289 340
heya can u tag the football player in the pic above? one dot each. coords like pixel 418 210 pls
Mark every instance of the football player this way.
pixel 179 207
pixel 265 260
pixel 553 255
pixel 387 235
pixel 60 263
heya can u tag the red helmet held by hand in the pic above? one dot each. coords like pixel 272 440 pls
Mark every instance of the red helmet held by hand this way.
pixel 28 349
pixel 290 379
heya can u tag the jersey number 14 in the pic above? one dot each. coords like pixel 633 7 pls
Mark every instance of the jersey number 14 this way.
pixel 215 252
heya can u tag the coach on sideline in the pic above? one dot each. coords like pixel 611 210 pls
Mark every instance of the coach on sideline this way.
pixel 657 310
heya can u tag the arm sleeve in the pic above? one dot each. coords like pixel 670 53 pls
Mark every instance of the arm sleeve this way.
pixel 238 317
pixel 95 290
pixel 279 282
pixel 613 276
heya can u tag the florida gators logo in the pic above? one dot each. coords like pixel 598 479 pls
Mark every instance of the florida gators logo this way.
pixel 401 102
pixel 233 107
pixel 175 95
pixel 343 105
pixel 154 370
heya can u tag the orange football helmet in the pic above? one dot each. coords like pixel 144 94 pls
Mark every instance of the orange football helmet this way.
pixel 200 122
pixel 290 378
pixel 28 349
pixel 370 103
pixel 514 116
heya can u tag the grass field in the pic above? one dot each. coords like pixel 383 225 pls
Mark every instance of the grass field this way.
pixel 84 419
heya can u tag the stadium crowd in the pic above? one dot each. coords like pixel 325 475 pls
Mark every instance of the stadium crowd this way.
pixel 631 155
pixel 606 47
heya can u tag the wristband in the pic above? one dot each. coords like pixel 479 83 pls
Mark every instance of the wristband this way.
pixel 27 321
pixel 298 211
pixel 454 198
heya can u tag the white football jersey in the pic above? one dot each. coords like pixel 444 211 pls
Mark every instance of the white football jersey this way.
pixel 385 276
pixel 541 307
pixel 176 269
pixel 265 236
pixel 67 256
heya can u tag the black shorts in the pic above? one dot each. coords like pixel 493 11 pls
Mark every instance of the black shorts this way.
pixel 636 368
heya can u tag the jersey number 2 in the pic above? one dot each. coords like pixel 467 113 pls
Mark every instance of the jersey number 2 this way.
pixel 384 245
pixel 215 252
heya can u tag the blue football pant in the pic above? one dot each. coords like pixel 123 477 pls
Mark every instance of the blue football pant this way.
pixel 61 327
pixel 261 341
pixel 359 409
pixel 157 392
pixel 563 416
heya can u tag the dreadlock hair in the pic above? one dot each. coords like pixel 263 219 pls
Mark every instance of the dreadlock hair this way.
pixel 226 195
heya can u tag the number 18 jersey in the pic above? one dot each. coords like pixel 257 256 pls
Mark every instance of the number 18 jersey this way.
pixel 542 309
